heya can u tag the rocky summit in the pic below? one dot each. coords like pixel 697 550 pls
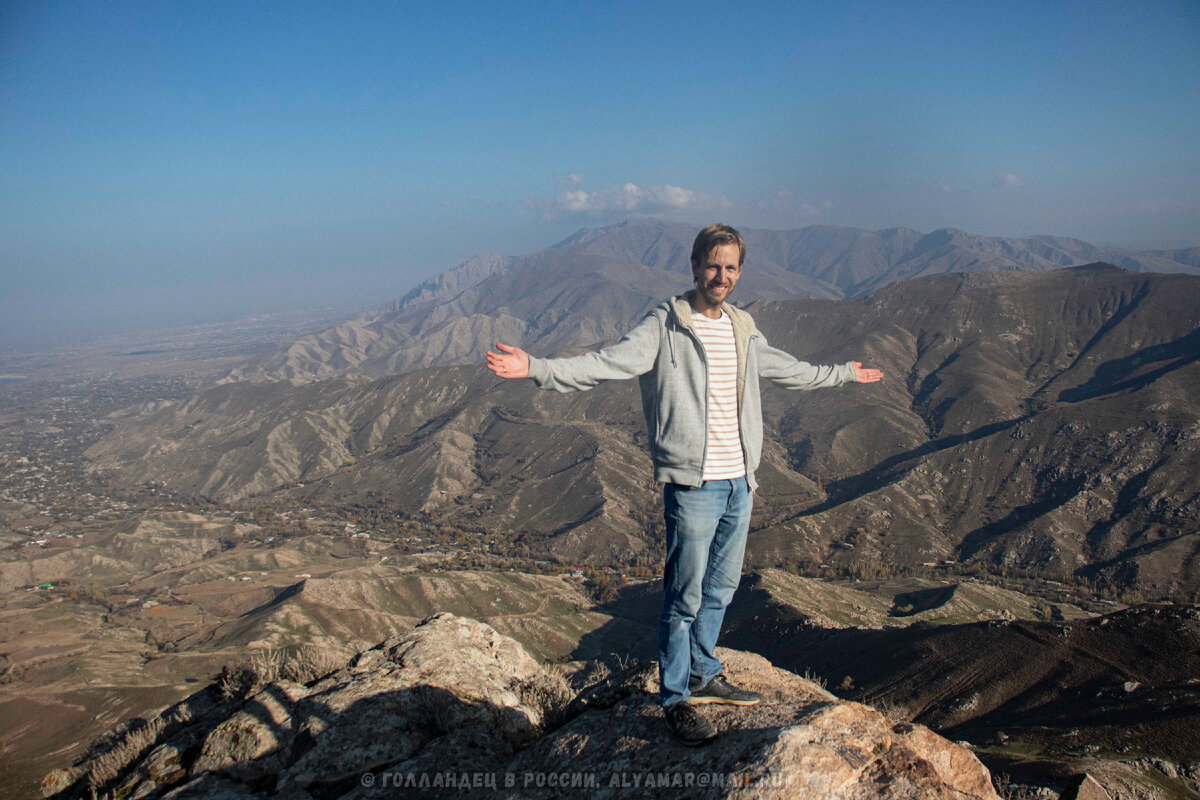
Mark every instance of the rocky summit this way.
pixel 453 708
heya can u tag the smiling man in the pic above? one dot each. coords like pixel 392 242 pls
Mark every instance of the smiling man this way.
pixel 698 360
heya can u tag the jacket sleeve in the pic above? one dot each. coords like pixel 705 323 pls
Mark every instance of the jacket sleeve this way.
pixel 789 372
pixel 632 356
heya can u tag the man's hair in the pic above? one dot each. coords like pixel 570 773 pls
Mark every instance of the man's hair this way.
pixel 715 236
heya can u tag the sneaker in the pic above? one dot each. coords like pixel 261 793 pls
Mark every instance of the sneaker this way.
pixel 688 726
pixel 718 690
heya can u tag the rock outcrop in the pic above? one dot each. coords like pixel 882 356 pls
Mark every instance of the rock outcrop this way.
pixel 454 708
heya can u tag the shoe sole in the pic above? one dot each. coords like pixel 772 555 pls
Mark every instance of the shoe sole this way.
pixel 697 742
pixel 700 701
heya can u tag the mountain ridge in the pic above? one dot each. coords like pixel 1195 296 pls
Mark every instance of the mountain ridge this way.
pixel 629 266
pixel 1042 419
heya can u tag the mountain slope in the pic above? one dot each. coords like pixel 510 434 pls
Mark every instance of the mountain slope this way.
pixel 1047 420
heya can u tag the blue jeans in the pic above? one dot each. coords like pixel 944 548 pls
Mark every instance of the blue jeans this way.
pixel 706 539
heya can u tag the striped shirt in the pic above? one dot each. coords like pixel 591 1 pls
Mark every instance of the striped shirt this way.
pixel 723 457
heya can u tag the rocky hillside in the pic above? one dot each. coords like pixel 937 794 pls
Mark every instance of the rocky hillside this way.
pixel 593 285
pixel 1042 691
pixel 1047 420
pixel 453 704
pixel 1122 683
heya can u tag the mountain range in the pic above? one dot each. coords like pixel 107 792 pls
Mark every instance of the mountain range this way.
pixel 1030 418
pixel 548 300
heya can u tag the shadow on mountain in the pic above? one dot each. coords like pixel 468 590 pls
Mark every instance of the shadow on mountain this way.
pixel 906 604
pixel 1119 316
pixel 284 594
pixel 893 468
pixel 632 633
pixel 1121 374
pixel 988 536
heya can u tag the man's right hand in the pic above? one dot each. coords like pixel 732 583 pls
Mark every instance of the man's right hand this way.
pixel 513 362
pixel 866 375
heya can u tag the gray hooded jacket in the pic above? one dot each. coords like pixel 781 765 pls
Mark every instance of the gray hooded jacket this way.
pixel 666 356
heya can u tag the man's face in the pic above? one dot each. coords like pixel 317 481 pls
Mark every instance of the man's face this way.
pixel 717 274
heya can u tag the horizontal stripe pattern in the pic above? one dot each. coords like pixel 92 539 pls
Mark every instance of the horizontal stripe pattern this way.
pixel 723 457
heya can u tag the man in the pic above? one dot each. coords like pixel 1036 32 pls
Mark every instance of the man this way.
pixel 698 361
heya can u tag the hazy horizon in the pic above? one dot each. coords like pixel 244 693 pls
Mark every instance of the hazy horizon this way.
pixel 31 320
pixel 174 163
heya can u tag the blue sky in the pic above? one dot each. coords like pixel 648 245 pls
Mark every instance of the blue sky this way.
pixel 165 161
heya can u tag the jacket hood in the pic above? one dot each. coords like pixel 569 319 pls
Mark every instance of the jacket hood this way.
pixel 681 306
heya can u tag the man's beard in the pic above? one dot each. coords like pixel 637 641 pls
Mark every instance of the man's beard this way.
pixel 709 290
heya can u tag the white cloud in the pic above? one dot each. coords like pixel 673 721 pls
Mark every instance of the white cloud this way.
pixel 633 199
pixel 789 208
pixel 1006 179
pixel 574 179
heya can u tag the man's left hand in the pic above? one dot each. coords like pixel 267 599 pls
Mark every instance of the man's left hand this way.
pixel 862 375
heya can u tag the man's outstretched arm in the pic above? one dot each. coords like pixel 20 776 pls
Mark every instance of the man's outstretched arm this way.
pixel 628 358
pixel 784 369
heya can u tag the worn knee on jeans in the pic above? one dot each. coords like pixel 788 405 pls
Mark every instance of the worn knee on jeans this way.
pixel 685 605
